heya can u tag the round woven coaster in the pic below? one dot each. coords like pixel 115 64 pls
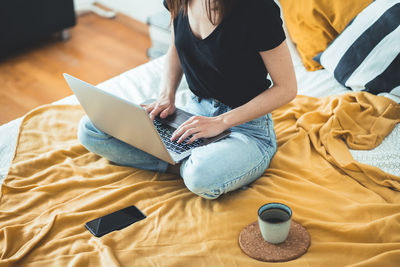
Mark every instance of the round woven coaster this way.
pixel 253 244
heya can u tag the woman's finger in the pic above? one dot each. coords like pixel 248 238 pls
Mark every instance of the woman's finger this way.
pixel 181 129
pixel 157 109
pixel 166 112
pixel 186 134
pixel 148 107
pixel 194 138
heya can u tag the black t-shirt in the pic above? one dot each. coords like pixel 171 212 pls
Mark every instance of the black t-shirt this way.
pixel 226 65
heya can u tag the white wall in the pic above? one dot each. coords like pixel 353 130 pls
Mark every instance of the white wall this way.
pixel 137 9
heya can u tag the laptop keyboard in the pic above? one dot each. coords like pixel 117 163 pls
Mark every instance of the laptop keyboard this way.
pixel 166 132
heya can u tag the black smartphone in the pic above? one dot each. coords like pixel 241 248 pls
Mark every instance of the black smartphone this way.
pixel 114 221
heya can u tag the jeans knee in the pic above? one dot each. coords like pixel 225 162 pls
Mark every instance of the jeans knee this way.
pixel 210 182
pixel 198 181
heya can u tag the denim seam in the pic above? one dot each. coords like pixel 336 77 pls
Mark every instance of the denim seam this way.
pixel 271 144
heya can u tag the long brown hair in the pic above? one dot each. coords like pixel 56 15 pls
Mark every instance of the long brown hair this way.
pixel 216 9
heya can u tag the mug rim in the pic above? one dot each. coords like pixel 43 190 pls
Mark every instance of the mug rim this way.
pixel 275 205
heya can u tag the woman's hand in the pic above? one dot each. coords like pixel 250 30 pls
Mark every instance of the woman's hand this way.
pixel 163 106
pixel 199 127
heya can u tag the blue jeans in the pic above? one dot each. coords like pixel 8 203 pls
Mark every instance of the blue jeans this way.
pixel 211 170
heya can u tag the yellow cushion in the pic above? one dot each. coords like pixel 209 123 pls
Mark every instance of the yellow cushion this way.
pixel 314 24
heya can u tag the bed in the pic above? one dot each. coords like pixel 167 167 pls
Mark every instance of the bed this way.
pixel 346 196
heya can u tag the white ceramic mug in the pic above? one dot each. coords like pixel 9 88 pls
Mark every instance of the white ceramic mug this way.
pixel 274 220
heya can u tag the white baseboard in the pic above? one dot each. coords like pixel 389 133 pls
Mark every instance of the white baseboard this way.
pixel 137 9
pixel 86 6
pixel 82 4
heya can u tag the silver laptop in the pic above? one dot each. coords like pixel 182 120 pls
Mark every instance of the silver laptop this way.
pixel 131 123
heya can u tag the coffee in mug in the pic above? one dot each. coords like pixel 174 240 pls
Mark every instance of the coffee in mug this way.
pixel 274 220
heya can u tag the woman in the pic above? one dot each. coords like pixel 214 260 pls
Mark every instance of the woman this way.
pixel 225 48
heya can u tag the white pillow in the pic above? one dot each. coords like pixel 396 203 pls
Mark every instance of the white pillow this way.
pixel 366 55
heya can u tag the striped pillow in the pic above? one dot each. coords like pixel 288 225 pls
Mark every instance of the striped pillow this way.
pixel 366 55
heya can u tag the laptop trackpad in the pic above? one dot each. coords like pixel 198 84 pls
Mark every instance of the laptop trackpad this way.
pixel 174 120
pixel 177 118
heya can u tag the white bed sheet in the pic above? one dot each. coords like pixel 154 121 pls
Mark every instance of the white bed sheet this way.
pixel 143 82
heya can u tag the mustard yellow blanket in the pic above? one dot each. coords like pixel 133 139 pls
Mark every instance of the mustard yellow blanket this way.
pixel 351 210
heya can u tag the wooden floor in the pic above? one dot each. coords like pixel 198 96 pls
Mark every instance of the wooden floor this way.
pixel 99 49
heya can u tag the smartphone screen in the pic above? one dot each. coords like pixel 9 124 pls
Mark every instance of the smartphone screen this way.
pixel 114 221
